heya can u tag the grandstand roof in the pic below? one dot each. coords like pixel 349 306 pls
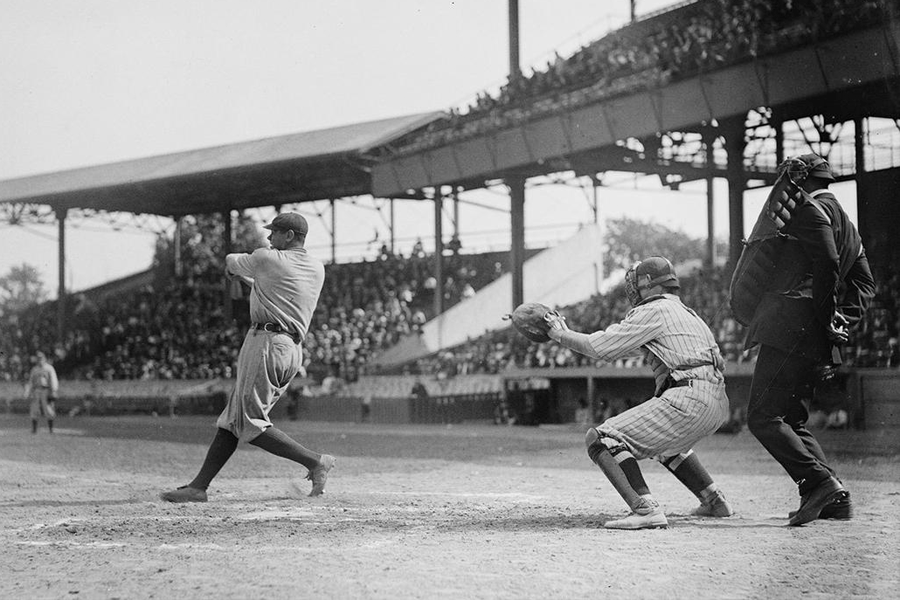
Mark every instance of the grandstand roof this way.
pixel 313 165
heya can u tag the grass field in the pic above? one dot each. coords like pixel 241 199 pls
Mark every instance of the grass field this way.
pixel 468 511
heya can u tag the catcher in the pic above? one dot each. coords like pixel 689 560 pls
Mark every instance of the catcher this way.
pixel 689 402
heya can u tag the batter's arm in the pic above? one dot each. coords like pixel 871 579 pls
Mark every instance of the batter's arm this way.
pixel 240 265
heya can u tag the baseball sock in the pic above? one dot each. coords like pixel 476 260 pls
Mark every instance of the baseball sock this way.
pixel 277 442
pixel 50 425
pixel 220 450
pixel 632 470
pixel 34 426
pixel 688 469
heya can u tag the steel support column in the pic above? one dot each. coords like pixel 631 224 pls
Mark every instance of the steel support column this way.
pixel 227 237
pixel 737 182
pixel 709 139
pixel 61 290
pixel 517 236
pixel 438 251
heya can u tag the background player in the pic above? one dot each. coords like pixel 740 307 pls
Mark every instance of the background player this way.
pixel 799 324
pixel 286 283
pixel 42 388
pixel 689 403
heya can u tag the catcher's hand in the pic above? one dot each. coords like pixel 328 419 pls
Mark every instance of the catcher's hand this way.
pixel 534 320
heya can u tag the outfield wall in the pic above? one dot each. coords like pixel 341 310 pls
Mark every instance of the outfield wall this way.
pixel 871 397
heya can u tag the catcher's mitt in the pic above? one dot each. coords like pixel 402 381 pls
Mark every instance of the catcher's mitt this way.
pixel 530 319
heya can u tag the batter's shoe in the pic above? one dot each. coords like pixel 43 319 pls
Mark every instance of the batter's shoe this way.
pixel 184 494
pixel 717 507
pixel 319 474
pixel 839 509
pixel 811 505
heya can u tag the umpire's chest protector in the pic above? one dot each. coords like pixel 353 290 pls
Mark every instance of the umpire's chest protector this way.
pixel 770 259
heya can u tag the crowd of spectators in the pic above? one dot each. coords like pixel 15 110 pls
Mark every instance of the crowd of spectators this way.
pixel 179 328
pixel 691 38
pixel 874 343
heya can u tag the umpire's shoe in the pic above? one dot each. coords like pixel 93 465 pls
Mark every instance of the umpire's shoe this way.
pixel 184 494
pixel 319 474
pixel 839 509
pixel 812 504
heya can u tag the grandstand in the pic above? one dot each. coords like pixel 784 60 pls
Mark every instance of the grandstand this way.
pixel 380 323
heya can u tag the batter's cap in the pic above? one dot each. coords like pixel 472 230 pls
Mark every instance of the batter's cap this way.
pixel 818 166
pixel 289 221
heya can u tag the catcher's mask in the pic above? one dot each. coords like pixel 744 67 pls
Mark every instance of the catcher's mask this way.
pixel 645 274
pixel 799 168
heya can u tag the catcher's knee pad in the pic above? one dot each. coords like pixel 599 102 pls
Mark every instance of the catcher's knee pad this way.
pixel 597 441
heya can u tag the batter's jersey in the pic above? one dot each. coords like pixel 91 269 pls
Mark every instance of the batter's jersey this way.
pixel 677 342
pixel 286 286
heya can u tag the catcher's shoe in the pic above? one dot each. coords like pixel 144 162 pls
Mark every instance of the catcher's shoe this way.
pixel 654 520
pixel 839 509
pixel 184 494
pixel 319 474
pixel 717 507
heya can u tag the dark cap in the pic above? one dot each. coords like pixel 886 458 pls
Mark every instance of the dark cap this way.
pixel 658 269
pixel 289 221
pixel 818 166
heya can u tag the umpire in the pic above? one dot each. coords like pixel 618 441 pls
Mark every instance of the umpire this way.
pixel 821 286
pixel 286 282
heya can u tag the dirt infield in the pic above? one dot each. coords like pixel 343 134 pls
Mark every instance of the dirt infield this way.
pixel 471 511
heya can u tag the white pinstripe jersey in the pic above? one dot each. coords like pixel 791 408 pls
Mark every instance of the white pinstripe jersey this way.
pixel 674 338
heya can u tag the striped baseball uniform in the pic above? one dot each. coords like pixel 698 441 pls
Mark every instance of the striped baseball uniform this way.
pixel 690 401
pixel 284 294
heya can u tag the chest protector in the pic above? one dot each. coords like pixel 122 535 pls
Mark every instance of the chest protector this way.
pixel 758 266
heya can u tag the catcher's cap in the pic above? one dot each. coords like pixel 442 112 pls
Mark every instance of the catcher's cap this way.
pixel 658 270
pixel 818 166
pixel 647 273
pixel 289 221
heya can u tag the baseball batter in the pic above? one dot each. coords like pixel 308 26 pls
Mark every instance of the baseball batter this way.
pixel 689 402
pixel 285 286
pixel 41 388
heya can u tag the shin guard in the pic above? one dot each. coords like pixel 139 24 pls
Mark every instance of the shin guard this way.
pixel 598 449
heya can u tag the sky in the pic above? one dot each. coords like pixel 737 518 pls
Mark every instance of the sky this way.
pixel 98 81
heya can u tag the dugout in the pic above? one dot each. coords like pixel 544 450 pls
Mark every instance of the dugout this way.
pixel 610 390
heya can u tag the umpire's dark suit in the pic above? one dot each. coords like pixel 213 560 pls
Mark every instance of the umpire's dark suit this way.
pixel 822 270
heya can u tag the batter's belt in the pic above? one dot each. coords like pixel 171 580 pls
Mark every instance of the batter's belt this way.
pixel 275 328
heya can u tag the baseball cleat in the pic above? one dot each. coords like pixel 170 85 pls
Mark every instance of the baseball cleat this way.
pixel 839 509
pixel 319 474
pixel 812 504
pixel 717 507
pixel 184 494
pixel 654 520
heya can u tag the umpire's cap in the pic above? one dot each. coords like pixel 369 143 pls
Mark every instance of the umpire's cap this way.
pixel 289 221
pixel 817 166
